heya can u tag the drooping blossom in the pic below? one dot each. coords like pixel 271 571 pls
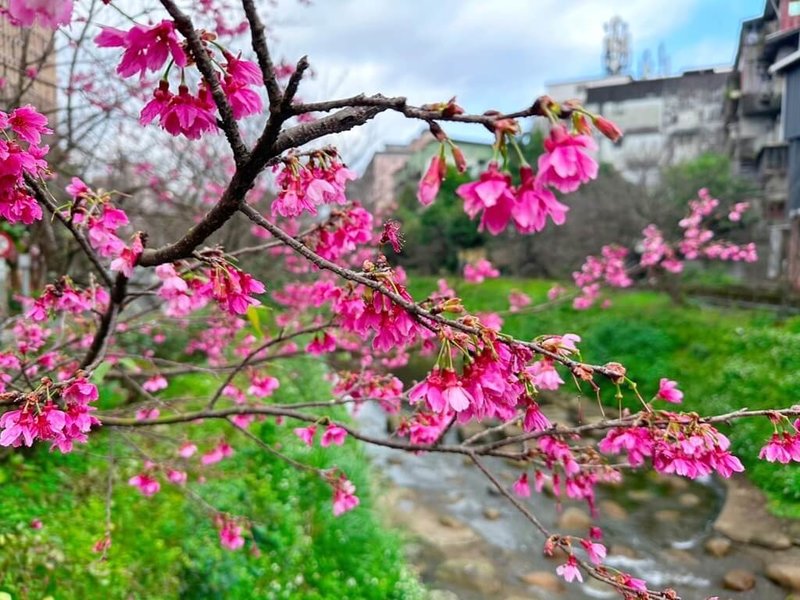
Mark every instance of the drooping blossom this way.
pixel 48 13
pixel 782 448
pixel 147 485
pixel 176 476
pixel 518 300
pixel 521 486
pixel 595 551
pixel 492 196
pixel 668 391
pixel 216 454
pixel 155 383
pixel 432 180
pixel 344 496
pixel 230 533
pixel 187 449
pixel 566 163
pixel 480 271
pixel 146 48
pixel 232 289
pixel 570 571
pixel 333 434
pixel 263 387
pixel 306 434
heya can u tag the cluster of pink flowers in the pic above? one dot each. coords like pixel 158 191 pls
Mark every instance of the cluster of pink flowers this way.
pixel 147 49
pixel 683 447
pixel 387 389
pixel 497 201
pixel 783 447
pixel 480 271
pixel 231 288
pixel 392 325
pixel 47 13
pixel 566 163
pixel 344 495
pixel 62 297
pixel 45 420
pixel 345 231
pixel 303 187
pixel 609 267
pixel 697 238
pixel 230 532
pixel 21 154
pixel 518 300
pixel 333 435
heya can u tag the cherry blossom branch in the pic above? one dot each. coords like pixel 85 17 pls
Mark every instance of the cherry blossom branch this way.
pixel 227 122
pixel 261 48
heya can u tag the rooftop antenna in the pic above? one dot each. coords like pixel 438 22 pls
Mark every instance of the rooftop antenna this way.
pixel 616 46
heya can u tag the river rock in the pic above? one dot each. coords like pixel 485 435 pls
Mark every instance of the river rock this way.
pixel 745 519
pixel 641 495
pixel 621 550
pixel 392 423
pixel 475 574
pixel 574 518
pixel 449 521
pixel 718 546
pixel 739 580
pixel 774 540
pixel 667 515
pixel 543 580
pixel 689 500
pixel 613 510
pixel 785 574
pixel 491 513
pixel 442 595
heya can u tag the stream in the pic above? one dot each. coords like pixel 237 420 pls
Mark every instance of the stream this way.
pixel 655 528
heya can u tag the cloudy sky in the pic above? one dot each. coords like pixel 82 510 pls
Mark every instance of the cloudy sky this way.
pixel 491 54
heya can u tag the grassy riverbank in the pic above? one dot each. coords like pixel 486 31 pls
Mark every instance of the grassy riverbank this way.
pixel 166 546
pixel 723 359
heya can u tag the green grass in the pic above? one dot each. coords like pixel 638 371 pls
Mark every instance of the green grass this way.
pixel 722 359
pixel 167 547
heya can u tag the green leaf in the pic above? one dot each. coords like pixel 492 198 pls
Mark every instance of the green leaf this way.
pixel 255 320
pixel 98 376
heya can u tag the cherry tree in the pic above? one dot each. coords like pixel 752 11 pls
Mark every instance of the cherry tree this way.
pixel 271 221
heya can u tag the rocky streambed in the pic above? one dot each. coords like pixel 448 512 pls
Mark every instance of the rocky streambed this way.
pixel 468 542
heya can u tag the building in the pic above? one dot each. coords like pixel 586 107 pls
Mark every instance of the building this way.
pixel 666 120
pixel 397 165
pixel 758 108
pixel 27 68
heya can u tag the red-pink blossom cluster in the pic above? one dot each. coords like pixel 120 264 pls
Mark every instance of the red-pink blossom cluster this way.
pixel 47 13
pixel 344 495
pixel 62 423
pixel 345 231
pixel 497 201
pixel 21 155
pixel 480 271
pixel 303 187
pixel 62 297
pixel 681 445
pixel 232 288
pixel 148 48
pixel 608 268
pixel 783 447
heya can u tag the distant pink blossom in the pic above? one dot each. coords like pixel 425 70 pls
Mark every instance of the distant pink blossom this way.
pixel 145 484
pixel 521 487
pixel 566 163
pixel 333 435
pixel 668 391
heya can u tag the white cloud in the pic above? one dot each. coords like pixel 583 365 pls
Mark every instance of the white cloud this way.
pixel 490 54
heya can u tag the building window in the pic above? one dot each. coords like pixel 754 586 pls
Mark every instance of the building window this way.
pixel 794 8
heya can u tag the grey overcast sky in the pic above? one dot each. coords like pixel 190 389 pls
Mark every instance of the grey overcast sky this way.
pixel 491 54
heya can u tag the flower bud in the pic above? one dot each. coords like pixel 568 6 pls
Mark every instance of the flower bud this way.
pixel 608 128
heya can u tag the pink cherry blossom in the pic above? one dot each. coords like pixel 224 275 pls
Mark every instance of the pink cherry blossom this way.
pixel 668 391
pixel 480 271
pixel 570 571
pixel 146 48
pixel 306 434
pixel 333 435
pixel 230 534
pixel 48 13
pixel 187 449
pixel 521 487
pixel 492 196
pixel 145 484
pixel 566 163
pixel 431 181
pixel 344 498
